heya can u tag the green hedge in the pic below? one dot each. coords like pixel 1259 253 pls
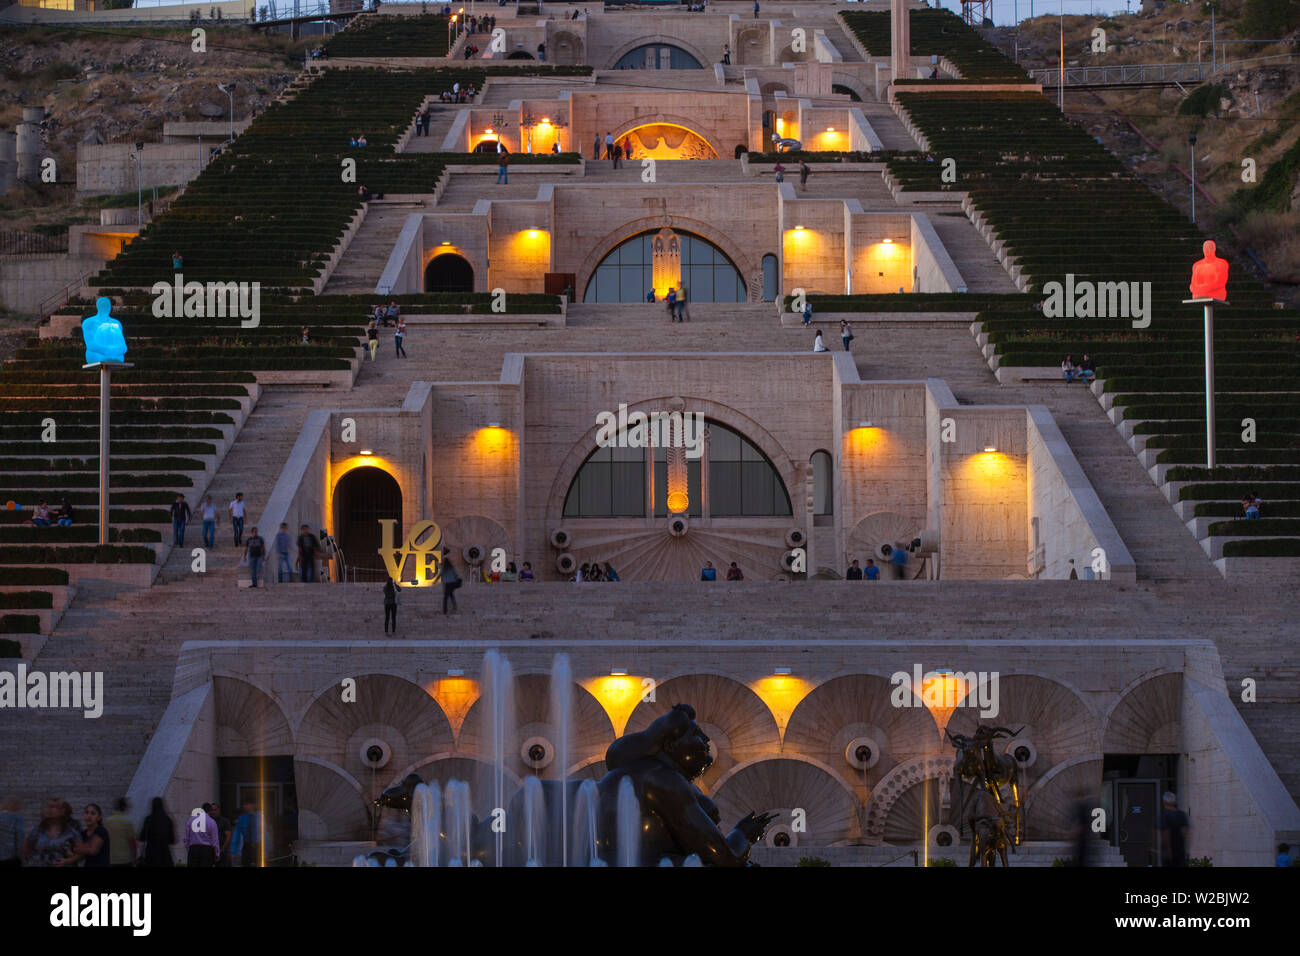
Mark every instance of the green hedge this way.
pixel 20 624
pixel 98 554
pixel 10 648
pixel 1263 548
pixel 1259 527
pixel 26 599
pixel 53 577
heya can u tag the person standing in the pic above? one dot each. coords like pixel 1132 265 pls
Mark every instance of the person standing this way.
pixel 95 842
pixel 854 573
pixel 595 149
pixel 180 515
pixel 846 333
pixel 224 831
pixel 503 168
pixel 202 839
pixel 283 565
pixel 804 173
pixel 726 54
pixel 372 338
pixel 609 145
pixel 121 835
pixel 682 313
pixel 399 336
pixel 237 517
pixel 450 581
pixel 1173 832
pixel 898 558
pixel 779 170
pixel 255 554
pixel 249 836
pixel 11 833
pixel 157 834
pixel 390 605
pixel 618 154
pixel 208 512
pixel 755 9
pixel 871 572
pixel 308 546
pixel 671 300
pixel 52 842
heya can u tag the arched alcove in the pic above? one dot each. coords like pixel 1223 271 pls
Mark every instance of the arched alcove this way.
pixel 362 498
pixel 449 272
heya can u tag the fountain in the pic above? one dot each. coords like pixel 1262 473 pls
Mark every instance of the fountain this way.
pixel 645 808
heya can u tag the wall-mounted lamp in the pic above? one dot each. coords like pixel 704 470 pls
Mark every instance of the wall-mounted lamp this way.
pixel 798 228
pixel 865 423
pixel 888 242
pixel 617 672
pixel 782 671
pixel 455 672
pixel 367 452
pixel 494 425
pixel 990 448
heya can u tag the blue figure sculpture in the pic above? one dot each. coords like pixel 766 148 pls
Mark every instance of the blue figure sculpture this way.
pixel 103 335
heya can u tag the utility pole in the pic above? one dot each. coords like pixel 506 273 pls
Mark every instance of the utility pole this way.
pixel 1191 144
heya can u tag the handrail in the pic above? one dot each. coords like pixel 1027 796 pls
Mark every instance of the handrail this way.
pixel 60 298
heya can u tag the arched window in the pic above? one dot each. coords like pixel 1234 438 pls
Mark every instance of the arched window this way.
pixel 743 483
pixel 627 273
pixel 610 484
pixel 658 56
pixel 769 278
pixel 823 486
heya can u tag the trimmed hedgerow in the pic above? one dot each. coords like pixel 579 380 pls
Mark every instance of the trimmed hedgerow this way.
pixel 1263 548
pixel 77 554
pixel 20 624
pixel 26 599
pixel 50 577
pixel 1259 527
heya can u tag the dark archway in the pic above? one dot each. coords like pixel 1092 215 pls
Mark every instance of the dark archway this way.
pixel 838 88
pixel 520 55
pixel 486 146
pixel 362 498
pixel 658 56
pixel 448 273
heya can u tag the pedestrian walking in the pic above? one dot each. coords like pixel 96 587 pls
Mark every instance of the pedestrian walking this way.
pixel 450 581
pixel 503 168
pixel 121 836
pixel 255 555
pixel 726 54
pixel 282 541
pixel 390 605
pixel 846 333
pixel 671 300
pixel 399 336
pixel 308 546
pixel 157 834
pixel 250 836
pixel 208 512
pixel 202 839
pixel 755 9
pixel 180 517
pixel 804 173
pixel 372 338
pixel 683 314
pixel 237 517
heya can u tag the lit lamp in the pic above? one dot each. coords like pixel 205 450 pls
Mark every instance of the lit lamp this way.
pixel 782 671
pixel 990 449
pixel 618 672
pixel 493 424
pixel 865 423
pixel 678 499
pixel 367 452
pixel 888 242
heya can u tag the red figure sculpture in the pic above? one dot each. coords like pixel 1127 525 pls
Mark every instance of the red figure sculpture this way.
pixel 1210 275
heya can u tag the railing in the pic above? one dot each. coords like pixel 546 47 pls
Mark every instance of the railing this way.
pixel 31 244
pixel 1125 73
pixel 57 299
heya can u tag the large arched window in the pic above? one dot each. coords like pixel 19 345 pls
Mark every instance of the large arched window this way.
pixel 742 481
pixel 658 56
pixel 628 272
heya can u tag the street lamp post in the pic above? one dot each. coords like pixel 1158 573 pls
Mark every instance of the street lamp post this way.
pixel 229 90
pixel 139 186
pixel 1060 91
pixel 1191 144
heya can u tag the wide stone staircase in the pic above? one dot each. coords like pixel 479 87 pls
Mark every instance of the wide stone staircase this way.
pixel 365 258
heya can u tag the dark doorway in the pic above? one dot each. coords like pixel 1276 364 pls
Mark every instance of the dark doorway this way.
pixel 362 498
pixel 269 782
pixel 837 88
pixel 449 273
pixel 486 146
pixel 520 55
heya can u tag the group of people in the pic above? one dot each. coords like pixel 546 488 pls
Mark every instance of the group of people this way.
pixel 898 557
pixel 399 336
pixel 476 24
pixel 804 172
pixel 710 573
pixel 181 514
pixel 1250 505
pixel 859 573
pixel 676 302
pixel 596 572
pixel 96 841
pixel 614 149
pixel 457 94
pixel 357 140
pixel 846 335
pixel 43 517
pixel 1086 370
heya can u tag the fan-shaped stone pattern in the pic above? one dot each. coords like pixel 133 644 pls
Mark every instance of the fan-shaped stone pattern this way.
pixel 936 768
pixel 1146 719
pixel 1051 803
pixel 655 555
pixel 738 723
pixel 1058 724
pixel 439 770
pixel 249 722
pixel 387 708
pixel 784 784
pixel 591 732
pixel 880 528
pixel 914 811
pixel 330 807
pixel 857 705
pixel 459 533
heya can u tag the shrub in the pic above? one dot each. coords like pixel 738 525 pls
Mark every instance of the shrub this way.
pixel 20 624
pixel 940 861
pixel 46 576
pixel 26 599
pixel 1204 99
pixel 10 648
pixel 1263 548
pixel 75 554
pixel 813 861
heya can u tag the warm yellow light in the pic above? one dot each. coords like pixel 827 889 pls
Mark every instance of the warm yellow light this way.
pixel 546 121
pixel 678 502
pixel 987 448
pixel 493 441
pixel 830 129
pixel 453 18
pixel 446 242
pixel 618 694
pixel 888 242
pixel 798 228
pixel 534 233
pixel 488 131
pixel 781 694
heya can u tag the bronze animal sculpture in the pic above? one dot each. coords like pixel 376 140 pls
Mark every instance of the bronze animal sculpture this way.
pixel 997 777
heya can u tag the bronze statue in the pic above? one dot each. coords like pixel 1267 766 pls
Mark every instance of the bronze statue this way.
pixel 677 819
pixel 996 799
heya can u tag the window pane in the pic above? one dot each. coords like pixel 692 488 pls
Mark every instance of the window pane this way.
pixel 724 444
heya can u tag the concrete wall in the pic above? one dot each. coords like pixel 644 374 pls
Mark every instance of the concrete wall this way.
pixel 111 168
pixel 932 268
pixel 302 493
pixel 28 281
pixel 1071 522
pixel 230 10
